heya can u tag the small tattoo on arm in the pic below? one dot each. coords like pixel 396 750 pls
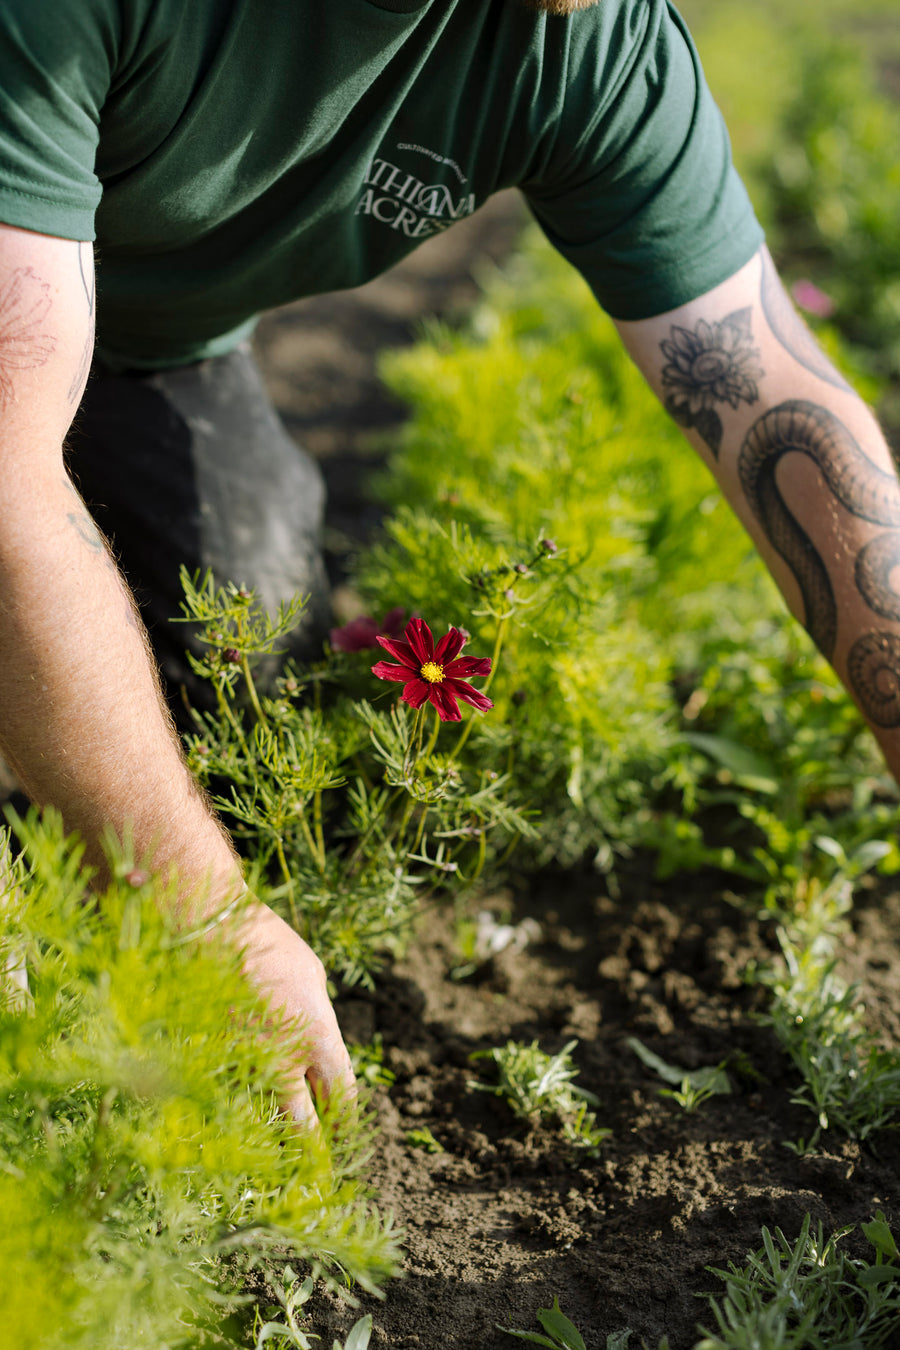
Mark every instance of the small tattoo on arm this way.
pixel 79 379
pixel 24 341
pixel 790 331
pixel 863 490
pixel 87 531
pixel 711 364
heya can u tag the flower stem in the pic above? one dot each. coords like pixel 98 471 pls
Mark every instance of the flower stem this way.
pixel 289 880
pixel 317 826
pixel 495 656
pixel 251 689
pixel 415 738
pixel 420 831
pixel 432 742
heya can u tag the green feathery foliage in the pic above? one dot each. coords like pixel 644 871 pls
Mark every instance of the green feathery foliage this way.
pixel 143 1165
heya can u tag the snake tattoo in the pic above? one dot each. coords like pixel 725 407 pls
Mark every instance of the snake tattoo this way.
pixel 864 490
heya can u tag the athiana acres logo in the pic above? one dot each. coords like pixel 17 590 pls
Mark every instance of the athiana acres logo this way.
pixel 400 200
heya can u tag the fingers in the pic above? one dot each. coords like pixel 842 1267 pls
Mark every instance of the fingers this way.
pixel 292 979
pixel 322 1081
pixel 330 1075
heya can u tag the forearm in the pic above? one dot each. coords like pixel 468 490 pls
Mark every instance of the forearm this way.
pixel 80 711
pixel 804 465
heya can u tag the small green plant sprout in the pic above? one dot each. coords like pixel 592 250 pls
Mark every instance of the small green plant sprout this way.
pixel 484 937
pixel 691 1087
pixel 422 1138
pixel 561 1333
pixel 538 1086
pixel 810 1295
pixel 289 1334
pixel 368 1063
pixel 849 1082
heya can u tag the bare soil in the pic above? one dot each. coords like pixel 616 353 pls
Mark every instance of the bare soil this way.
pixel 507 1217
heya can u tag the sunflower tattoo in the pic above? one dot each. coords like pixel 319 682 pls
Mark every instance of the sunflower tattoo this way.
pixel 714 363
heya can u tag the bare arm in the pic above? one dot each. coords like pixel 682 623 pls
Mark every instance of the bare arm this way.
pixel 81 717
pixel 802 462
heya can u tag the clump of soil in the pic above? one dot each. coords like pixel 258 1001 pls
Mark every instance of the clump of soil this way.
pixel 506 1217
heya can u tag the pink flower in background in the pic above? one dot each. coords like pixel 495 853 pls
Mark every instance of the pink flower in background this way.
pixel 434 674
pixel 361 633
pixel 808 296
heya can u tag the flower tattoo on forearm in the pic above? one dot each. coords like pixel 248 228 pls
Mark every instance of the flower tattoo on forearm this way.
pixel 24 342
pixel 711 364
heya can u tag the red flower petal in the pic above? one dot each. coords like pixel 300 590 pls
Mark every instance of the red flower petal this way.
pixel 445 703
pixel 392 623
pixel 416 692
pixel 385 671
pixel 402 650
pixel 418 635
pixel 468 666
pixel 449 646
pixel 469 695
pixel 355 636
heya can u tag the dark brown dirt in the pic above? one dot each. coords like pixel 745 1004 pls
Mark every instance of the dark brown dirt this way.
pixel 506 1218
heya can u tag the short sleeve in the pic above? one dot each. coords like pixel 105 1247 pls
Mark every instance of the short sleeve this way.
pixel 639 191
pixel 56 61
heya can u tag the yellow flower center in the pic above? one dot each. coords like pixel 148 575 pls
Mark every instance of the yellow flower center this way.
pixel 432 673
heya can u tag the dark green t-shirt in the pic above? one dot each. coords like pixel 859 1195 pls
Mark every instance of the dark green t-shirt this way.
pixel 231 155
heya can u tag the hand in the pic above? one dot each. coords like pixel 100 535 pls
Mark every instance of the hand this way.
pixel 290 976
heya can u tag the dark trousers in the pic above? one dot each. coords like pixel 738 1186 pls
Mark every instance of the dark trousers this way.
pixel 193 466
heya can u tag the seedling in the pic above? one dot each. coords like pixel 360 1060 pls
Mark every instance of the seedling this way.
pixel 368 1062
pixel 538 1086
pixel 423 1138
pixel 849 1082
pixel 486 936
pixel 288 1334
pixel 692 1086
pixel 810 1294
pixel 561 1334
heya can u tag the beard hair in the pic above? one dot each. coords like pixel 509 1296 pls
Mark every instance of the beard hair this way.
pixel 558 6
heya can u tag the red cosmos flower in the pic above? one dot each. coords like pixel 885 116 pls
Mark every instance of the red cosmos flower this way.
pixel 361 633
pixel 436 674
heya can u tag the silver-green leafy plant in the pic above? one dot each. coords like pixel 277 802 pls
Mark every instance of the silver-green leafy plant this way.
pixel 810 1295
pixel 850 1082
pixel 540 1086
